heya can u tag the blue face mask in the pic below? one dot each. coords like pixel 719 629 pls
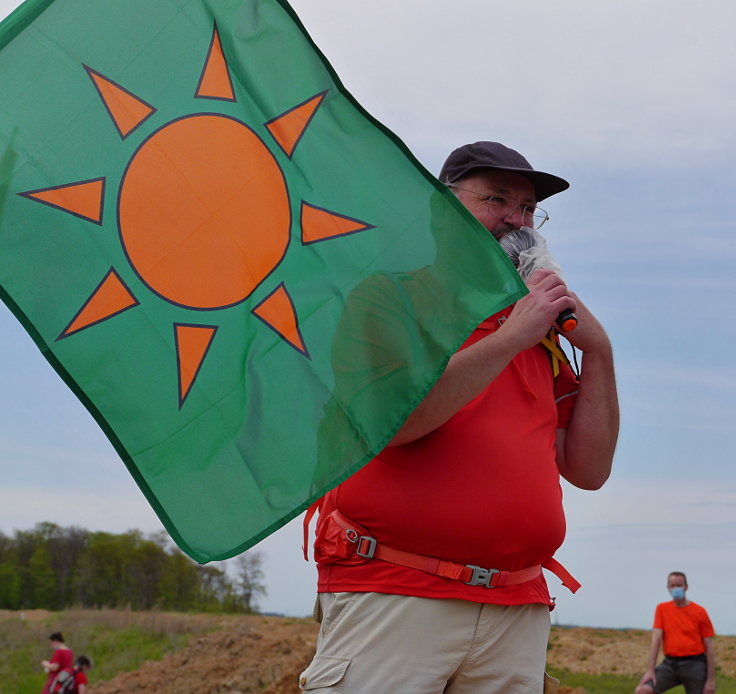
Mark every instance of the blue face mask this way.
pixel 677 593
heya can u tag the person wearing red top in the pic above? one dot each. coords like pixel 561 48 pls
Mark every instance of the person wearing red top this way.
pixel 683 630
pixel 430 557
pixel 81 668
pixel 72 680
pixel 62 659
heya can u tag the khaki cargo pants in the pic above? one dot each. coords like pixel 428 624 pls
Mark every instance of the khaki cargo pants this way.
pixel 372 643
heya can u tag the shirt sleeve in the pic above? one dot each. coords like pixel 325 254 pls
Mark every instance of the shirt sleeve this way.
pixel 658 621
pixel 706 627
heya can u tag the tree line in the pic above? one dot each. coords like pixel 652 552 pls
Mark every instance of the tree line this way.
pixel 53 568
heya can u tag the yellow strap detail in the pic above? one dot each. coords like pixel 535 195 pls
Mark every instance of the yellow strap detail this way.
pixel 550 344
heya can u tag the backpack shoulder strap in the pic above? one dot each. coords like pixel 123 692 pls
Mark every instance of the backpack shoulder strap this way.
pixel 316 506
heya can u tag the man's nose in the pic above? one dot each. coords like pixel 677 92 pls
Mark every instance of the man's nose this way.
pixel 515 216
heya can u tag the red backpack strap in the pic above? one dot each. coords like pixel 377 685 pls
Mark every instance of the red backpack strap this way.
pixel 307 520
pixel 562 573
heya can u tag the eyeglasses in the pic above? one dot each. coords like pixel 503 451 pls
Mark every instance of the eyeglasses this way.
pixel 502 206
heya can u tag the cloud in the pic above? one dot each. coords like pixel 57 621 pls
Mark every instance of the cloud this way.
pixel 112 510
pixel 670 374
pixel 634 503
pixel 608 82
pixel 689 407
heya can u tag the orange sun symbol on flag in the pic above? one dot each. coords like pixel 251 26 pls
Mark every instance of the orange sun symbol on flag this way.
pixel 208 250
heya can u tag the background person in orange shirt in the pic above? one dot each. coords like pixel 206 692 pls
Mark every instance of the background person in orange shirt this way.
pixel 684 632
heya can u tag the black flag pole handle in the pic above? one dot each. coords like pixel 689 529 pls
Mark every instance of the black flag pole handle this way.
pixel 567 321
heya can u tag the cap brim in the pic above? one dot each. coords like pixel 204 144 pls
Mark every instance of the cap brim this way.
pixel 545 184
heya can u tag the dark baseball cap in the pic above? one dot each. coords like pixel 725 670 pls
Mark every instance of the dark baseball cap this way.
pixel 494 155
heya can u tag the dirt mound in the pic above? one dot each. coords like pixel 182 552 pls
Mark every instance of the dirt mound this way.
pixel 599 651
pixel 267 654
pixel 250 654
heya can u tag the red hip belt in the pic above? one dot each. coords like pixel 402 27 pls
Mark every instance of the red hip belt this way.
pixel 339 540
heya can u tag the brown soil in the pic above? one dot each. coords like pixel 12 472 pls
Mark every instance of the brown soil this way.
pixel 249 654
pixel 267 654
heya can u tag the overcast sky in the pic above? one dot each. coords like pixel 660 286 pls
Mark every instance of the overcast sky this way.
pixel 634 102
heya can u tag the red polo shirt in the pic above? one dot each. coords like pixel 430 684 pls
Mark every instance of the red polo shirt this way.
pixel 482 489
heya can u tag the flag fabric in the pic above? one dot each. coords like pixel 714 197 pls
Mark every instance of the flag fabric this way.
pixel 247 280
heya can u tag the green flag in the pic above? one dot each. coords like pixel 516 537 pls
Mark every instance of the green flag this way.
pixel 246 280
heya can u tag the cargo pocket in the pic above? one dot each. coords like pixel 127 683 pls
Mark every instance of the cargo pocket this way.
pixel 324 672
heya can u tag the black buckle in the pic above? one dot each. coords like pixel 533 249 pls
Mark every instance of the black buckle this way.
pixel 481 576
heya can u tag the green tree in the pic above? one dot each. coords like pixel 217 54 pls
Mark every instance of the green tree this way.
pixel 43 592
pixel 144 567
pixel 66 546
pixel 101 577
pixel 215 589
pixel 52 567
pixel 9 574
pixel 179 587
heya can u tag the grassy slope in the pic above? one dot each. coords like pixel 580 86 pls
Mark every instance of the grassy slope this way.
pixel 116 641
pixel 597 684
pixel 622 684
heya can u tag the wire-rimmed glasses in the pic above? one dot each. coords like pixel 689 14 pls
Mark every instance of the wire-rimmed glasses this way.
pixel 503 206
